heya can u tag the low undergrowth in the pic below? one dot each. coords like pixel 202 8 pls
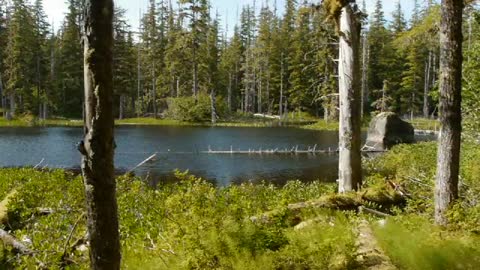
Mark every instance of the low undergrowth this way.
pixel 187 225
pixel 410 239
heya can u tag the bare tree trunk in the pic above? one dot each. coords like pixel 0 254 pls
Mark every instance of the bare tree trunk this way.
pixel 269 111
pixel 350 168
pixel 229 98
pixel 98 145
pixel 280 112
pixel 13 104
pixel 154 93
pixel 428 67
pixel 384 96
pixel 260 95
pixel 3 105
pixel 364 93
pixel 195 74
pixel 213 106
pixel 446 187
pixel 139 81
pixel 45 110
pixel 39 104
pixel 121 107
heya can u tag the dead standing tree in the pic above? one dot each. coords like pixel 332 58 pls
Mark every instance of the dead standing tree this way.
pixel 446 187
pixel 98 145
pixel 348 18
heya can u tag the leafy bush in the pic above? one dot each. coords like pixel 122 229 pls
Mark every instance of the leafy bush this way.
pixel 190 110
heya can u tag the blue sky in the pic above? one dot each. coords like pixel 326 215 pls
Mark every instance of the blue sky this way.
pixel 56 9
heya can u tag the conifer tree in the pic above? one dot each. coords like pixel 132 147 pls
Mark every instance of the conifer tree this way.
pixel 20 59
pixel 197 12
pixel 42 57
pixel 70 71
pixel 302 65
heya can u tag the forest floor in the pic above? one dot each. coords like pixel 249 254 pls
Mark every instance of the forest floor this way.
pixel 192 224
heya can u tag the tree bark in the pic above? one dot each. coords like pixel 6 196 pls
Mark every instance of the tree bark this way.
pixel 280 109
pixel 428 68
pixel 446 186
pixel 121 107
pixel 154 92
pixel 350 170
pixel 98 145
pixel 2 97
pixel 213 106
pixel 13 105
pixel 229 98
pixel 364 94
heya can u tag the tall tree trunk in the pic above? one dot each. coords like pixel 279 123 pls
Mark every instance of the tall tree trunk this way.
pixel 154 93
pixel 213 106
pixel 280 112
pixel 3 105
pixel 259 100
pixel 121 107
pixel 139 82
pixel 350 168
pixel 178 87
pixel 13 105
pixel 428 68
pixel 229 98
pixel 195 74
pixel 269 110
pixel 446 186
pixel 364 94
pixel 98 145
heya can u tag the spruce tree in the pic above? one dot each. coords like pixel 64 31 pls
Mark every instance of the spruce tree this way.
pixel 70 71
pixel 20 59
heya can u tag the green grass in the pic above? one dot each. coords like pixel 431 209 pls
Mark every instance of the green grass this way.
pixel 323 125
pixel 425 124
pixel 190 224
pixel 231 122
pixel 413 243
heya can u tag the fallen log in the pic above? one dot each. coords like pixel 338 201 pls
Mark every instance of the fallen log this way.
pixel 7 239
pixel 17 246
pixel 385 199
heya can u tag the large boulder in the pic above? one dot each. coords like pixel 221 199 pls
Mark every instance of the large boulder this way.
pixel 387 130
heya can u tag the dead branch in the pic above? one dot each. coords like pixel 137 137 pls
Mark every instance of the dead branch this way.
pixel 18 247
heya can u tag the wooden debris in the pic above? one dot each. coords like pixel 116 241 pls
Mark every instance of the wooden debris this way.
pixel 11 241
pixel 152 157
pixel 370 255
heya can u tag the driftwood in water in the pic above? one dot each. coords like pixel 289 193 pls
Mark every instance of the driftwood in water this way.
pixel 152 157
pixel 293 150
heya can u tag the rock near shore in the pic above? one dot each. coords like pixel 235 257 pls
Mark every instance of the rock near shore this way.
pixel 387 130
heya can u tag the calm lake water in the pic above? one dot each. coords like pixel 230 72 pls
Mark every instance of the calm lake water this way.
pixel 179 148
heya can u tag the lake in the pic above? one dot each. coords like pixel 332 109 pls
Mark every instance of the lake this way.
pixel 179 148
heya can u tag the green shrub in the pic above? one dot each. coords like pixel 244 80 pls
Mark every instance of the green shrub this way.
pixel 413 243
pixel 190 110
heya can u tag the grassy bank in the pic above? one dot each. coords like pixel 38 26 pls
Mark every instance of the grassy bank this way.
pixel 246 121
pixel 192 224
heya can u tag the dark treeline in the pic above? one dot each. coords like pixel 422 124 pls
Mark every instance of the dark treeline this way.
pixel 181 56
